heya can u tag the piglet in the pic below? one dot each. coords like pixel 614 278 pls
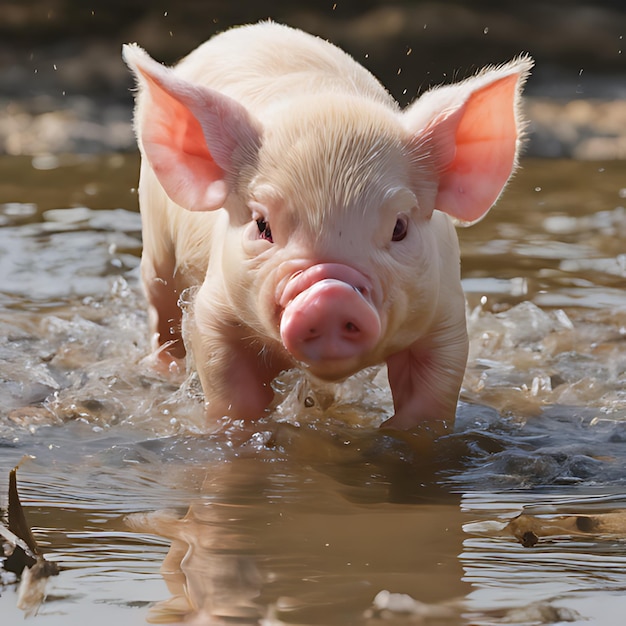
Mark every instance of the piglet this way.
pixel 316 217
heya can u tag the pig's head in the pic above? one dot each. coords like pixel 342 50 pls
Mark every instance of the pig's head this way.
pixel 332 246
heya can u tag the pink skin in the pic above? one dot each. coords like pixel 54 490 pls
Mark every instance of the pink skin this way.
pixel 267 153
pixel 328 319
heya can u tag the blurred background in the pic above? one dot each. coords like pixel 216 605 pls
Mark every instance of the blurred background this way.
pixel 64 88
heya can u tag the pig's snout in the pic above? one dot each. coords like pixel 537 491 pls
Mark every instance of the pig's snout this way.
pixel 329 319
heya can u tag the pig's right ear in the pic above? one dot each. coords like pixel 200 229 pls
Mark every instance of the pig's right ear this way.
pixel 195 139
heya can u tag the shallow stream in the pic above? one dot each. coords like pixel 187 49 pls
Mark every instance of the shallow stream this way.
pixel 314 515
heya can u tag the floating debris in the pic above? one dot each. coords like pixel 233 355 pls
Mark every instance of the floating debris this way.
pixel 528 529
pixel 22 555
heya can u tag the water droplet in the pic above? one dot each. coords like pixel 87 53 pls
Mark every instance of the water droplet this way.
pixel 485 30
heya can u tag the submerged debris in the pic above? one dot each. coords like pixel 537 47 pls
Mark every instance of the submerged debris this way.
pixel 387 604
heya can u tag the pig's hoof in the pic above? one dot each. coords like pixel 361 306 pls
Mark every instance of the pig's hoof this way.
pixel 166 365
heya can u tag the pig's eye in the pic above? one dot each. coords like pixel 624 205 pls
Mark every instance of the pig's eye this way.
pixel 399 230
pixel 264 229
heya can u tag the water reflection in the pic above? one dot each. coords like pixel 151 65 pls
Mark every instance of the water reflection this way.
pixel 303 542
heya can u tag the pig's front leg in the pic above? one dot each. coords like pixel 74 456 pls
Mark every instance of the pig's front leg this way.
pixel 235 370
pixel 426 378
pixel 165 315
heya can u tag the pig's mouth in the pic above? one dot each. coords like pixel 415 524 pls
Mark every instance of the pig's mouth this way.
pixel 328 321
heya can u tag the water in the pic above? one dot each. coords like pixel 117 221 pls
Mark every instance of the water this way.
pixel 309 517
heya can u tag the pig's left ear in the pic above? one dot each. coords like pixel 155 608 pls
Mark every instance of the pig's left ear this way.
pixel 470 134
pixel 195 139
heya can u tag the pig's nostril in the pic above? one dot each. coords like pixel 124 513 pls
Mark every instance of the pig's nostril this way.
pixel 348 329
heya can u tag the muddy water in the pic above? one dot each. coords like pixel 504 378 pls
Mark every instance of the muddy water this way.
pixel 314 515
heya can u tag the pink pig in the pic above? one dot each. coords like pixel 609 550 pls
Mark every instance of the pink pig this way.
pixel 317 217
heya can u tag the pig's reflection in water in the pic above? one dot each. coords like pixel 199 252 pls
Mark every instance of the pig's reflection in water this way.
pixel 307 517
pixel 202 570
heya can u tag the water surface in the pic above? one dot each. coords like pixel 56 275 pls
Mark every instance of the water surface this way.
pixel 308 517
